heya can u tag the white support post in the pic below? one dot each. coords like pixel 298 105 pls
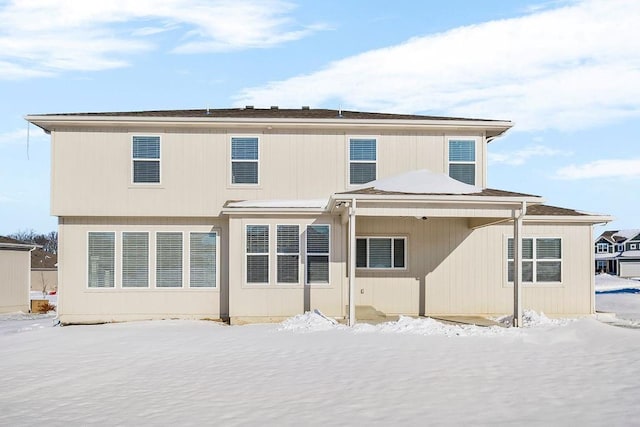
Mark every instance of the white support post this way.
pixel 352 262
pixel 517 266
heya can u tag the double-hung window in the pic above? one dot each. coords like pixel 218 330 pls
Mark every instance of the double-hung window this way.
pixel 288 253
pixel 257 253
pixel 169 260
pixel 203 260
pixel 541 260
pixel 602 248
pixel 362 160
pixel 135 260
pixel 381 252
pixel 318 254
pixel 101 259
pixel 146 159
pixel 244 160
pixel 462 160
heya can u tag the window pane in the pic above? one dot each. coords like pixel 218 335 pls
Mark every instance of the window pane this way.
pixel 527 249
pixel 244 148
pixel 362 149
pixel 244 172
pixel 318 269
pixel 527 271
pixel 398 253
pixel 361 173
pixel 463 172
pixel 318 239
pixel 548 271
pixel 361 253
pixel 379 253
pixel 548 249
pixel 169 260
pixel 288 268
pixel 257 268
pixel 146 147
pixel 146 171
pixel 101 252
pixel 257 239
pixel 202 268
pixel 135 260
pixel 462 151
pixel 288 239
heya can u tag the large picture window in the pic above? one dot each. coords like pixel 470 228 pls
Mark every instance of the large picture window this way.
pixel 381 252
pixel 462 160
pixel 101 259
pixel 244 160
pixel 135 260
pixel 169 260
pixel 257 245
pixel 288 253
pixel 318 244
pixel 146 159
pixel 541 260
pixel 203 260
pixel 362 160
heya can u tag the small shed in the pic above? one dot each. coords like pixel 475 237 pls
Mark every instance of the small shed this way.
pixel 15 275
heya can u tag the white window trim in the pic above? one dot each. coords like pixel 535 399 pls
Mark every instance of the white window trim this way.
pixel 281 253
pixel 247 253
pixel 133 159
pixel 535 260
pixel 632 246
pixel 115 262
pixel 476 155
pixel 155 265
pixel 307 254
pixel 602 248
pixel 231 161
pixel 149 267
pixel 349 161
pixel 187 261
pixel 392 268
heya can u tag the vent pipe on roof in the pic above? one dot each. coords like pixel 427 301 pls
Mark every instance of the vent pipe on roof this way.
pixel 208 112
pixel 274 107
pixel 248 107
pixel 305 107
pixel 340 111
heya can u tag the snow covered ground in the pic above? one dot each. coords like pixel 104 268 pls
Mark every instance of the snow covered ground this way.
pixel 310 370
pixel 619 296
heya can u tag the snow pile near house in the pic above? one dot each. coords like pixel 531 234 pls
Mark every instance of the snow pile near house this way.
pixel 428 326
pixel 533 319
pixel 609 283
pixel 310 321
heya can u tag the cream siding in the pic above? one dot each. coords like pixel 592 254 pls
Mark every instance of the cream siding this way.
pixel 14 280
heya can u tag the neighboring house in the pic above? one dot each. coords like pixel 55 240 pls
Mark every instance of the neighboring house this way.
pixel 260 214
pixel 14 275
pixel 44 271
pixel 618 252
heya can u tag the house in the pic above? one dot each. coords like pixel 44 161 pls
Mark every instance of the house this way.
pixel 44 271
pixel 251 214
pixel 618 252
pixel 15 278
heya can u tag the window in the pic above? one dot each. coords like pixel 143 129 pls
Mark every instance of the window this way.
pixel 602 248
pixel 257 253
pixel 317 254
pixel 101 262
pixel 619 248
pixel 146 159
pixel 244 160
pixel 203 260
pixel 362 161
pixel 462 160
pixel 169 260
pixel 381 252
pixel 288 253
pixel 135 260
pixel 541 259
pixel 632 246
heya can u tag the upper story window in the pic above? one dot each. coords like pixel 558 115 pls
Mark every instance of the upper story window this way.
pixel 146 159
pixel 244 160
pixel 602 248
pixel 633 246
pixel 619 248
pixel 462 160
pixel 362 160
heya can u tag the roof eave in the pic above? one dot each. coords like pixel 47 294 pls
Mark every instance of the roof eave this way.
pixel 588 219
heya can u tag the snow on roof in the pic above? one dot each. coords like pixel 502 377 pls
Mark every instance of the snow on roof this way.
pixel 606 256
pixel 630 254
pixel 619 236
pixel 422 181
pixel 303 203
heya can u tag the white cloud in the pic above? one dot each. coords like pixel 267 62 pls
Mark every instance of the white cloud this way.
pixel 19 136
pixel 43 37
pixel 519 157
pixel 566 68
pixel 610 168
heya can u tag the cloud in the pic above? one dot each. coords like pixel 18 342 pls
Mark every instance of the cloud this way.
pixel 19 136
pixel 520 157
pixel 41 38
pixel 610 168
pixel 567 68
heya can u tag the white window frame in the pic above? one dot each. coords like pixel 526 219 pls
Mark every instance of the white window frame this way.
pixel 349 161
pixel 115 261
pixel 534 259
pixel 135 159
pixel 602 248
pixel 217 260
pixel 182 261
pixel 232 161
pixel 149 248
pixel 392 238
pixel 462 162
pixel 632 246
pixel 247 254
pixel 619 248
pixel 278 254
pixel 307 254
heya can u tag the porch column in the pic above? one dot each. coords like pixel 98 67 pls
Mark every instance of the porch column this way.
pixel 517 266
pixel 352 262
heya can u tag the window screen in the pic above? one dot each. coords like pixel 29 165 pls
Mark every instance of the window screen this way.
pixel 135 260
pixel 244 160
pixel 202 260
pixel 362 160
pixel 146 159
pixel 101 254
pixel 462 160
pixel 257 247
pixel 288 253
pixel 317 254
pixel 169 260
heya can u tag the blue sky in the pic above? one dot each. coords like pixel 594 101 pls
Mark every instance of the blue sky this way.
pixel 566 72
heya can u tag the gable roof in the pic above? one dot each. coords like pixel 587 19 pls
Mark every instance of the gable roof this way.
pixel 619 236
pixel 13 244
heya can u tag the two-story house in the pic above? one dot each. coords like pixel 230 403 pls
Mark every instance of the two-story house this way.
pixel 618 252
pixel 260 214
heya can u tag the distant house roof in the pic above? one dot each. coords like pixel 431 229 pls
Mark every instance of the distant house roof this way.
pixel 9 243
pixel 43 259
pixel 619 236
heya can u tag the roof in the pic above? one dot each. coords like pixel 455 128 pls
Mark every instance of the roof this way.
pixel 488 192
pixel 43 259
pixel 547 210
pixel 9 243
pixel 619 236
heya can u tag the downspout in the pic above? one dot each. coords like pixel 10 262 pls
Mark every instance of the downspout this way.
pixel 352 262
pixel 517 266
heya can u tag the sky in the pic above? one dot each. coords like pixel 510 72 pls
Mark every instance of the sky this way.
pixel 566 72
